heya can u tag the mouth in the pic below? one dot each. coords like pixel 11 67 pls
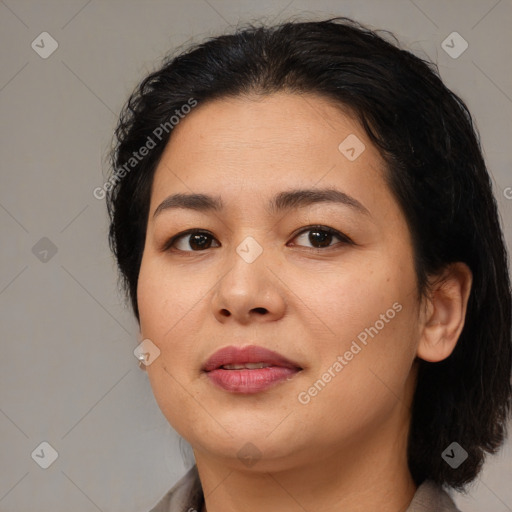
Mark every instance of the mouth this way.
pixel 249 369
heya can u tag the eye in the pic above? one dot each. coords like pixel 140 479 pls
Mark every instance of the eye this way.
pixel 190 241
pixel 322 236
pixel 194 240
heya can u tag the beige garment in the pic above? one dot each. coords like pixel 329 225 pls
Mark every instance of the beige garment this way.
pixel 187 496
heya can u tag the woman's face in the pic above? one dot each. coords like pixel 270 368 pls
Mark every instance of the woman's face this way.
pixel 341 307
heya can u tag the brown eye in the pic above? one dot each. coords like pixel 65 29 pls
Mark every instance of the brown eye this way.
pixel 191 241
pixel 322 237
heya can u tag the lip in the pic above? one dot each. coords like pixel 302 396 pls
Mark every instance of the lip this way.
pixel 248 380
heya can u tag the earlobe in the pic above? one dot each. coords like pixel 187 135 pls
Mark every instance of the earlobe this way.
pixel 445 312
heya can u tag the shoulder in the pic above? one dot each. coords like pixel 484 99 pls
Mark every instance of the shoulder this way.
pixel 430 497
pixel 185 496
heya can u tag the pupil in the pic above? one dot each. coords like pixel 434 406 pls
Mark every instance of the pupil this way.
pixel 200 240
pixel 321 237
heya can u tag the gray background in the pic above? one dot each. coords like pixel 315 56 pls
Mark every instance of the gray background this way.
pixel 69 376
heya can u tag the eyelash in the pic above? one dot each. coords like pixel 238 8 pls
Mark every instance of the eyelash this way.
pixel 168 246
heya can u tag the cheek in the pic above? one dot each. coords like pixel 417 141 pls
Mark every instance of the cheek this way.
pixel 172 310
pixel 346 299
pixel 150 296
pixel 362 367
pixel 367 314
pixel 165 295
pixel 166 305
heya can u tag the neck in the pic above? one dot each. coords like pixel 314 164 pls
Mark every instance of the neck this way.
pixel 368 474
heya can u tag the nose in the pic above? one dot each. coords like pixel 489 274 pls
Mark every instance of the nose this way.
pixel 250 291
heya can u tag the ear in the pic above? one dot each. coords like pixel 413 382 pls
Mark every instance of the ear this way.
pixel 444 312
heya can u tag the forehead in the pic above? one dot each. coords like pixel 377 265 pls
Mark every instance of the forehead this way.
pixel 251 145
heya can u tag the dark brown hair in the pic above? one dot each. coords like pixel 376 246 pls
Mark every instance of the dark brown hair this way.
pixel 436 172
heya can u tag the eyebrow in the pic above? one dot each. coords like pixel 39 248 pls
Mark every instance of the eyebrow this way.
pixel 284 201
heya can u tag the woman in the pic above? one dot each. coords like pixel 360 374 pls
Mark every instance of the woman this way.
pixel 305 227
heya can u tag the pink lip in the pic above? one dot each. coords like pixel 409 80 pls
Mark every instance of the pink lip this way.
pixel 247 380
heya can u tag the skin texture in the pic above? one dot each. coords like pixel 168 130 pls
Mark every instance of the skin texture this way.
pixel 346 448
